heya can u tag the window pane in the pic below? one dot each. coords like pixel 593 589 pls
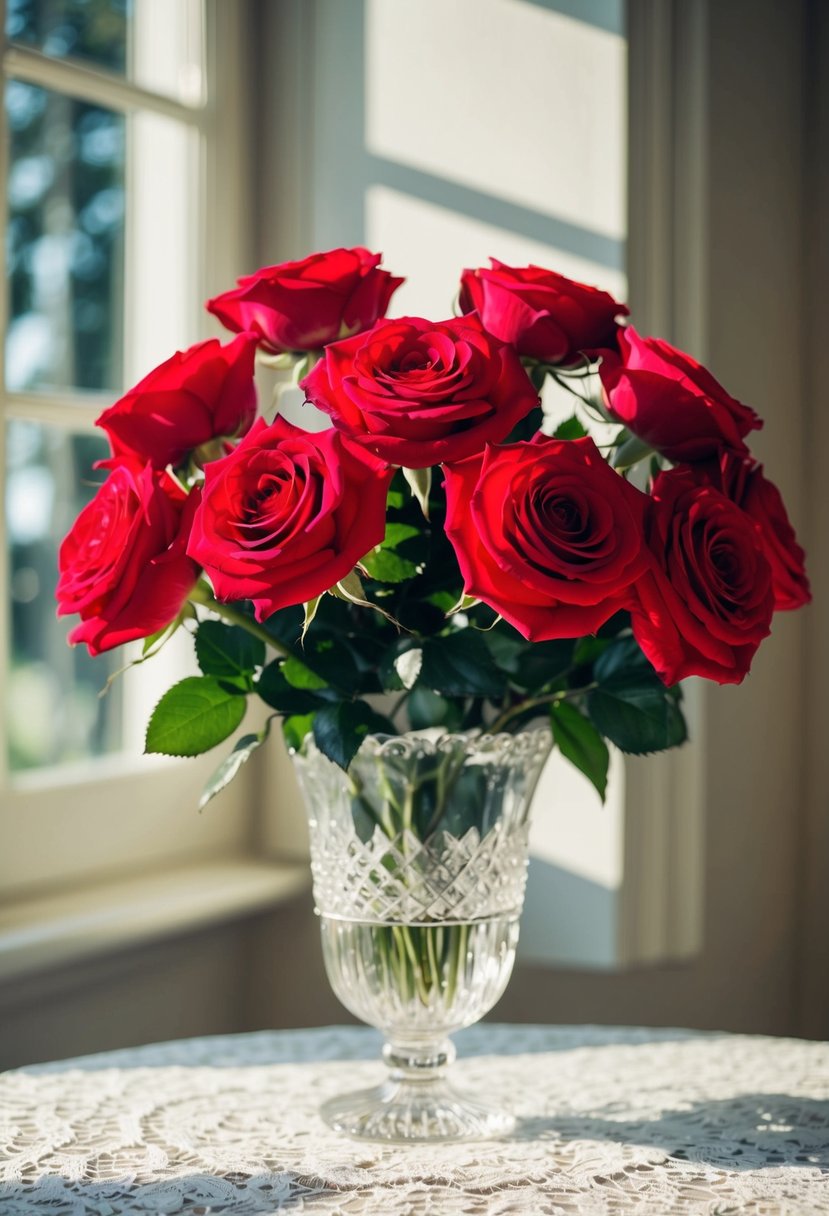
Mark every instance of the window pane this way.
pixel 163 269
pixel 158 44
pixel 94 30
pixel 55 713
pixel 65 242
pixel 167 48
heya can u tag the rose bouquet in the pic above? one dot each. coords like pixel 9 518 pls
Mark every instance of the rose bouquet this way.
pixel 435 544
pixel 412 589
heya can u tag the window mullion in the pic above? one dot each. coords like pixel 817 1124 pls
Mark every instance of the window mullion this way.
pixel 93 85
pixel 69 410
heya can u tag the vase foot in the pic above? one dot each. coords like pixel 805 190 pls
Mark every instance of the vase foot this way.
pixel 407 1112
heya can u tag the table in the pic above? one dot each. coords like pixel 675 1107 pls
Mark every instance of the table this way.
pixel 609 1121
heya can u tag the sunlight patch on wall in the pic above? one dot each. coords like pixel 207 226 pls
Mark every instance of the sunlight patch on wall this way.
pixel 445 113
pixel 433 244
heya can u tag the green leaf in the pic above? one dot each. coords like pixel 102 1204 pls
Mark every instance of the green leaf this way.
pixel 637 713
pixel 229 767
pixel 543 664
pixel 528 426
pixel 537 373
pixel 286 698
pixel 460 664
pixel 193 716
pixel 631 452
pixel 571 428
pixel 159 638
pixel 295 728
pixel 329 659
pixel 588 650
pixel 426 708
pixel 615 625
pixel 444 600
pixel 625 656
pixel 299 675
pixel 396 533
pixel 339 729
pixel 580 743
pixel 506 648
pixel 632 706
pixel 386 566
pixel 227 650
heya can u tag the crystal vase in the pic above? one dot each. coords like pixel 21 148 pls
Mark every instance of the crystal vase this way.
pixel 419 861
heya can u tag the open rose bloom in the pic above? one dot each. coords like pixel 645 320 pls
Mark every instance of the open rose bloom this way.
pixel 436 542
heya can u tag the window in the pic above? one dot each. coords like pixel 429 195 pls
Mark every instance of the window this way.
pixel 113 137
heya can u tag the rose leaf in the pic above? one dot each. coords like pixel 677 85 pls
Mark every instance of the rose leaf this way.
pixel 461 664
pixel 386 566
pixel 580 743
pixel 637 713
pixel 543 664
pixel 283 696
pixel 193 716
pixel 426 708
pixel 300 675
pixel 295 728
pixel 339 729
pixel 571 428
pixel 229 767
pixel 227 650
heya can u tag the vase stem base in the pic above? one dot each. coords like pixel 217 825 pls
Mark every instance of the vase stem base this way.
pixel 409 1112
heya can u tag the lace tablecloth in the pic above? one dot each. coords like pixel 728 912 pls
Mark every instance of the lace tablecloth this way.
pixel 609 1121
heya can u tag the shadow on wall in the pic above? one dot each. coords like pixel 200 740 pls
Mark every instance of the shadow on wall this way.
pixel 568 920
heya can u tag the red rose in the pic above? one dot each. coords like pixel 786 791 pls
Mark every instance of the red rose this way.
pixel 287 515
pixel 123 566
pixel 671 402
pixel 421 392
pixel 304 305
pixel 547 534
pixel 201 394
pixel 542 314
pixel 743 482
pixel 706 603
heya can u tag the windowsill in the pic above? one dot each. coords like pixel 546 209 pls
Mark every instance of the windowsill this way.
pixel 72 927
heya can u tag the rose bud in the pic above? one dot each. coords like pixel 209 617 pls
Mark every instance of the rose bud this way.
pixel 199 396
pixel 123 566
pixel 305 305
pixel 542 314
pixel 671 402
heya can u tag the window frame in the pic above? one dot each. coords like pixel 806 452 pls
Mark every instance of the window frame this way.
pixel 70 824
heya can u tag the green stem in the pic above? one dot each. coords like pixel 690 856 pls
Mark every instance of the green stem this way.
pixel 548 699
pixel 445 778
pixel 431 952
pixel 399 703
pixel 234 616
pixel 457 952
